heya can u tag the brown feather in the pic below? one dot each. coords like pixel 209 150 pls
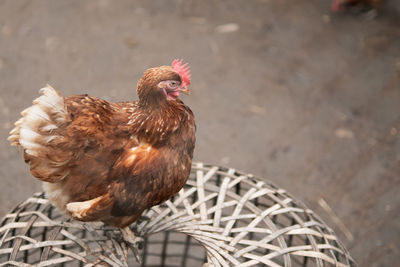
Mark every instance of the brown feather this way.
pixel 115 159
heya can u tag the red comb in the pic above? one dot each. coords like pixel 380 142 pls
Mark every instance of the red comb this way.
pixel 336 6
pixel 182 70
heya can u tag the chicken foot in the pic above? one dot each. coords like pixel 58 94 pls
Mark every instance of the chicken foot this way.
pixel 133 241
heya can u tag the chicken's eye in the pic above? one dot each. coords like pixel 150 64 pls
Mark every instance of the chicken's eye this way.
pixel 173 84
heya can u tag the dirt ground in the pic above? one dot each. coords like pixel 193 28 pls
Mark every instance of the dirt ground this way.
pixel 285 90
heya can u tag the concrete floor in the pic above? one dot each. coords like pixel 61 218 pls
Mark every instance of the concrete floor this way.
pixel 285 90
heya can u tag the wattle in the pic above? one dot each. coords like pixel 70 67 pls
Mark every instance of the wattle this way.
pixel 173 95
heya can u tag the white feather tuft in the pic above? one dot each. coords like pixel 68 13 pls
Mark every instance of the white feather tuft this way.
pixel 35 111
pixel 19 122
pixel 29 145
pixel 79 209
pixel 54 193
pixel 50 138
pixel 48 128
pixel 28 134
pixel 14 131
pixel 33 130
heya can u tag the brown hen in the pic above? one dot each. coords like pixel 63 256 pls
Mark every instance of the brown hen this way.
pixel 343 5
pixel 103 161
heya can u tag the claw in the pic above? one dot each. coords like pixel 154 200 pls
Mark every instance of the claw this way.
pixel 142 219
pixel 134 242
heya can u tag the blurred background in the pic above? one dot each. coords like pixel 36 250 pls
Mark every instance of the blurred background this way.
pixel 287 90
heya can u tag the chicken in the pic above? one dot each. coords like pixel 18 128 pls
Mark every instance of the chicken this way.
pixel 103 161
pixel 342 5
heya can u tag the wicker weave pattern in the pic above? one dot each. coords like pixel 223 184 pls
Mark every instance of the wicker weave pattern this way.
pixel 239 220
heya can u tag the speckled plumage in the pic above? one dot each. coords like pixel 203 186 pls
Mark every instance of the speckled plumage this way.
pixel 103 161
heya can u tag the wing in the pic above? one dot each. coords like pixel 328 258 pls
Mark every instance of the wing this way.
pixel 139 176
pixel 133 187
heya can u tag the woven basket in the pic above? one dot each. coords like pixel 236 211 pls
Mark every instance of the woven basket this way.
pixel 220 218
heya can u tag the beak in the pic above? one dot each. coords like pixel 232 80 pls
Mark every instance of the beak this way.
pixel 185 90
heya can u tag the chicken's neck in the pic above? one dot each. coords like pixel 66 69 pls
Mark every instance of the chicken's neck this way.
pixel 155 124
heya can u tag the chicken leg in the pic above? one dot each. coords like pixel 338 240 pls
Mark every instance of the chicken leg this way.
pixel 133 241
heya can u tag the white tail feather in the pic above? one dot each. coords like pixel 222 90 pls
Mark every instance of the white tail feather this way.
pixel 33 130
pixel 35 111
pixel 48 128
pixel 19 122
pixel 29 145
pixel 28 135
pixel 38 133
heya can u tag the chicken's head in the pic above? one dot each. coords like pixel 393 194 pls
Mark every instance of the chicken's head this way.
pixel 164 83
pixel 338 5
